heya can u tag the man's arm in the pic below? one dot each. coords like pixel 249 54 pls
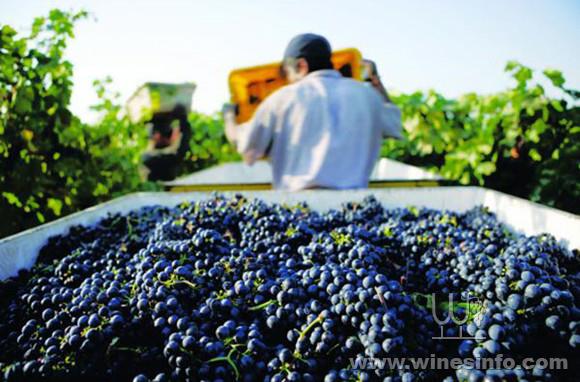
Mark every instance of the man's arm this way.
pixel 388 113
pixel 390 120
pixel 375 80
pixel 377 84
pixel 252 138
pixel 230 125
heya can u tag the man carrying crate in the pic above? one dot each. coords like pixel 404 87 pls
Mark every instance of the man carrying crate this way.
pixel 321 131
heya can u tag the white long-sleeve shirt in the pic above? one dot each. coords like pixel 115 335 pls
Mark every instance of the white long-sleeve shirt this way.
pixel 322 131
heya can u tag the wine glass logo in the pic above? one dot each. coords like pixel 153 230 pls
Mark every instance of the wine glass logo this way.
pixel 452 308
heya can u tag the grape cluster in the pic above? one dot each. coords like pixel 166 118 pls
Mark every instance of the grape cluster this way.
pixel 234 289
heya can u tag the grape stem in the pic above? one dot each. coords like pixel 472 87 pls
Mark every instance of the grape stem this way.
pixel 311 325
pixel 262 305
pixel 229 361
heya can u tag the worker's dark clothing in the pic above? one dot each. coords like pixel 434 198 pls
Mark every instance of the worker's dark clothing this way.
pixel 163 164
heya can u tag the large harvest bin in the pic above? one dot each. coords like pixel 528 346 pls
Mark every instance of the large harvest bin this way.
pixel 20 251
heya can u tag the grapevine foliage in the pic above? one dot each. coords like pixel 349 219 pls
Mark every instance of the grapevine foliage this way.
pixel 52 163
pixel 520 141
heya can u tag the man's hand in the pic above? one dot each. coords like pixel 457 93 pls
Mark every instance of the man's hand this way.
pixel 229 110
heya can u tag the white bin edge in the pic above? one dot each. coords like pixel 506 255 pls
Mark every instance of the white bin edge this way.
pixel 20 250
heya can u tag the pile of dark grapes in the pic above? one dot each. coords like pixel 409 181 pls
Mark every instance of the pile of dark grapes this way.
pixel 234 289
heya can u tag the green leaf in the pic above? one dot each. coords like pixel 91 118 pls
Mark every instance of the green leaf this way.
pixel 556 104
pixel 22 105
pixel 12 199
pixel 100 189
pixel 535 155
pixel 511 65
pixel 523 75
pixel 55 205
pixel 486 168
pixel 555 76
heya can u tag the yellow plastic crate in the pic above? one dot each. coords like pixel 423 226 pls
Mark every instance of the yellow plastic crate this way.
pixel 250 86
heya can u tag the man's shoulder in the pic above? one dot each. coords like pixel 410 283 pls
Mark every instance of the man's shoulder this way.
pixel 281 95
pixel 360 90
pixel 359 86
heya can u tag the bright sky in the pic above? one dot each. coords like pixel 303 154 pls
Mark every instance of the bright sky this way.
pixel 451 46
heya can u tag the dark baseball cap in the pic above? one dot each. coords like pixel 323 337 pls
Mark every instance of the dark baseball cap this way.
pixel 309 46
